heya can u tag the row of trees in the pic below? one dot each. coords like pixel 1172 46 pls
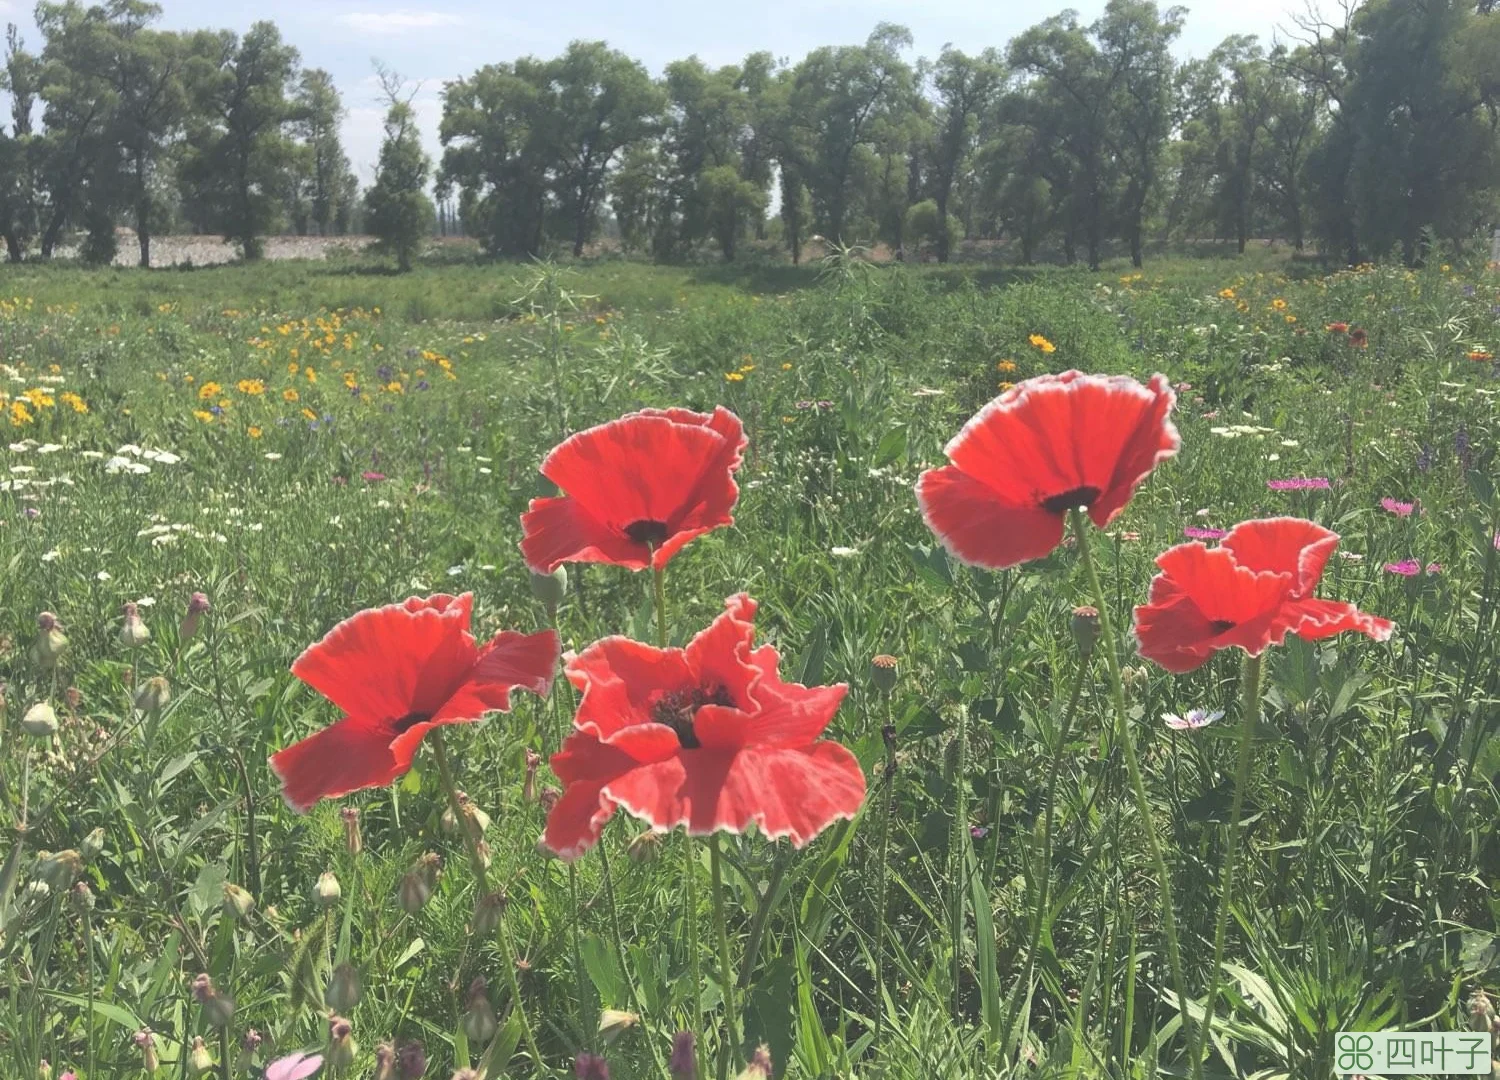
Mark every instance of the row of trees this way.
pixel 1378 130
pixel 207 131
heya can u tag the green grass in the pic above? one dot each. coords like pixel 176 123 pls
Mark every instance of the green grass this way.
pixel 1368 862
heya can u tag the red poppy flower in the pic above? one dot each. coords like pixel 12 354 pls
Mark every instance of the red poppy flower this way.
pixel 1252 590
pixel 707 736
pixel 1044 447
pixel 1359 338
pixel 647 482
pixel 1338 328
pixel 397 672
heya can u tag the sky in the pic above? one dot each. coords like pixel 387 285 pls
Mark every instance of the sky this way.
pixel 432 41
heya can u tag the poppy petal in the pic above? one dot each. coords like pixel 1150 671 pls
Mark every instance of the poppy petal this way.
pixel 351 754
pixel 560 530
pixel 294 1067
pixel 585 765
pixel 1283 545
pixel 1152 439
pixel 784 714
pixel 794 793
pixel 511 660
pixel 718 656
pixel 388 662
pixel 1221 588
pixel 621 680
pixel 980 526
pixel 1313 620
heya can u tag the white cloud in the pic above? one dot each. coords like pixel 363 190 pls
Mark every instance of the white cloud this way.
pixel 397 22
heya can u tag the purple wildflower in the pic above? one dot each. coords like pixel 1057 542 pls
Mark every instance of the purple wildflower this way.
pixel 1197 532
pixel 683 1064
pixel 422 384
pixel 1463 448
pixel 1400 509
pixel 978 832
pixel 32 513
pixel 1195 719
pixel 1406 568
pixel 372 477
pixel 386 372
pixel 1299 483
pixel 1424 459
pixel 591 1067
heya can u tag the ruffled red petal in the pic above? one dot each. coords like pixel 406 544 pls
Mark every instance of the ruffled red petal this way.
pixel 508 662
pixel 346 756
pixel 621 680
pixel 1046 438
pixel 793 793
pixel 1313 620
pixel 781 714
pixel 388 662
pixel 672 467
pixel 979 526
pixel 1283 545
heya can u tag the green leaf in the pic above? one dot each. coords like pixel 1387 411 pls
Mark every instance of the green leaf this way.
pixel 817 653
pixel 416 946
pixel 892 446
pixel 208 890
pixel 603 970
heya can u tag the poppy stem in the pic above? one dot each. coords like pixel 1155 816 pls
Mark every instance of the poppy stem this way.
pixel 1250 686
pixel 1107 640
pixel 1044 869
pixel 476 863
pixel 882 849
pixel 625 971
pixel 659 595
pixel 690 914
pixel 726 970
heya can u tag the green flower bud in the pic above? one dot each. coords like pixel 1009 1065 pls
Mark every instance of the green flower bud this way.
pixel 51 642
pixel 487 913
pixel 480 1022
pixel 237 902
pixel 81 897
pixel 327 891
pixel 344 988
pixel 153 694
pixel 93 844
pixel 40 721
pixel 413 892
pixel 59 870
pixel 550 589
pixel 134 633
pixel 200 1062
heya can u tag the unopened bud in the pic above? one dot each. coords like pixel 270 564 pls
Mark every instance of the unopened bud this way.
pixel 1481 1010
pixel 883 672
pixel 145 1040
pixel 341 1045
pixel 51 642
pixel 93 844
pixel 1085 627
pixel 59 870
pixel 548 798
pixel 249 1047
pixel 759 1067
pixel 411 1061
pixel 413 892
pixel 550 589
pixel 40 721
pixel 81 897
pixel 344 988
pixel 480 1022
pixel 153 694
pixel 327 891
pixel 353 841
pixel 645 847
pixel 467 1074
pixel 385 1062
pixel 196 608
pixel 483 853
pixel 237 902
pixel 44 1070
pixel 199 1060
pixel 683 1064
pixel 591 1067
pixel 133 634
pixel 612 1022
pixel 487 913
pixel 528 789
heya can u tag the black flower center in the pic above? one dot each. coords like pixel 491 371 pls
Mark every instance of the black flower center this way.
pixel 676 708
pixel 1070 500
pixel 647 531
pixel 406 722
pixel 1220 626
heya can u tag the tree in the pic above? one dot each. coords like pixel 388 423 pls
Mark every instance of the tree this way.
pixel 237 149
pixel 322 169
pixel 601 101
pixel 966 87
pixel 398 212
pixel 19 215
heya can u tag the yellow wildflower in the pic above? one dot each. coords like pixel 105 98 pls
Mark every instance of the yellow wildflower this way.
pixel 204 415
pixel 74 402
pixel 209 390
pixel 309 414
pixel 1279 304
pixel 253 387
pixel 1005 385
pixel 1042 343
pixel 1006 366
pixel 19 414
pixel 1226 294
pixel 289 394
pixel 786 367
pixel 394 387
pixel 253 431
pixel 734 376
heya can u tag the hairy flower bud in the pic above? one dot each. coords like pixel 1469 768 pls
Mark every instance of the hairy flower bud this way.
pixel 683 1064
pixel 353 841
pixel 60 869
pixel 196 608
pixel 528 789
pixel 133 634
pixel 81 897
pixel 591 1067
pixel 40 721
pixel 487 913
pixel 327 891
pixel 145 1040
pixel 613 1022
pixel 344 988
pixel 93 844
pixel 411 1061
pixel 759 1067
pixel 153 694
pixel 550 590
pixel 480 1022
pixel 199 1060
pixel 883 672
pixel 341 1045
pixel 413 892
pixel 385 1062
pixel 237 902
pixel 1481 1010
pixel 51 642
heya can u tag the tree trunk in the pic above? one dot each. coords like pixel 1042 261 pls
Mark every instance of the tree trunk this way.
pixel 942 237
pixel 1136 255
pixel 13 248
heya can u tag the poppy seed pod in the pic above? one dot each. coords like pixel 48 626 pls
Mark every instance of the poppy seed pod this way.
pixel 40 720
pixel 683 1064
pixel 81 897
pixel 883 672
pixel 533 762
pixel 645 847
pixel 385 1062
pixel 199 1060
pixel 134 633
pixel 93 844
pixel 1085 627
pixel 488 911
pixel 51 642
pixel 413 892
pixel 479 1021
pixel 550 589
pixel 237 902
pixel 153 694
pixel 327 891
pixel 344 988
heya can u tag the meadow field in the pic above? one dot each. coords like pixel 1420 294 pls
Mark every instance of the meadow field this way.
pixel 208 470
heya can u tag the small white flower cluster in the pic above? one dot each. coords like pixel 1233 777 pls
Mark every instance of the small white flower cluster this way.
pixel 124 459
pixel 1234 431
pixel 169 533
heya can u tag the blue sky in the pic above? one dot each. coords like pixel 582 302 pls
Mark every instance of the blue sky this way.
pixel 430 41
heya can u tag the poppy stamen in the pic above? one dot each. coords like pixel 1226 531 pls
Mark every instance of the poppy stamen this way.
pixel 410 720
pixel 1070 500
pixel 648 531
pixel 1221 626
pixel 676 708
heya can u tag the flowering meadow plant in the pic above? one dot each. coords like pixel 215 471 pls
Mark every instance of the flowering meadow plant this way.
pixel 654 684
